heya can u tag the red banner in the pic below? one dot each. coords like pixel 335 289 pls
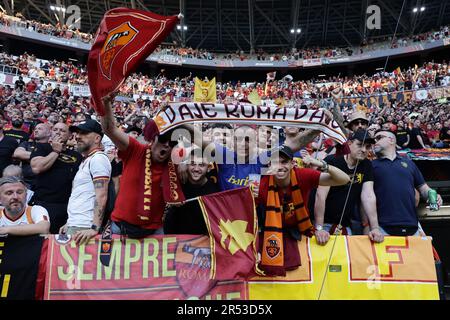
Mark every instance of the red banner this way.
pixel 232 225
pixel 124 39
pixel 158 267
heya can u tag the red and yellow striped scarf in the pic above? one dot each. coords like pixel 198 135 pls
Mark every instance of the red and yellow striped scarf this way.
pixel 273 251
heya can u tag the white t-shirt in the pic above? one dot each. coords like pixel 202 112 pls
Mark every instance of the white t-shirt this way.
pixel 81 202
pixel 37 215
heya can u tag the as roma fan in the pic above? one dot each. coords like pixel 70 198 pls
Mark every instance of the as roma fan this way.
pixel 145 187
pixel 282 210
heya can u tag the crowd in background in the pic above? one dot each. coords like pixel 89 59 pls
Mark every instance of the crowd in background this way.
pixel 367 45
pixel 428 75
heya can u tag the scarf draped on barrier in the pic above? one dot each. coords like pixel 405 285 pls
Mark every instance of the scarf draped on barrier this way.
pixel 279 252
pixel 176 114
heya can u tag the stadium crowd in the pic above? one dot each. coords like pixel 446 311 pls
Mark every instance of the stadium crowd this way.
pixel 51 139
pixel 371 44
pixel 161 88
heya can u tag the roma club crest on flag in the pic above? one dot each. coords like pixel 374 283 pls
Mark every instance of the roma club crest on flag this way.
pixel 193 266
pixel 232 224
pixel 204 90
pixel 124 39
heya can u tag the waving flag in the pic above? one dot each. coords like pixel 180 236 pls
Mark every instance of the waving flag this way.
pixel 124 39
pixel 232 225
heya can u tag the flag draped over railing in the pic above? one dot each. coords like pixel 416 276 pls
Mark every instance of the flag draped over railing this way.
pixel 233 226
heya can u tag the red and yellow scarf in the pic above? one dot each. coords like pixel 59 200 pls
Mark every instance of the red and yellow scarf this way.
pixel 275 245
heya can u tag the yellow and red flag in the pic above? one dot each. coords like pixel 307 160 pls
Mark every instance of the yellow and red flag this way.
pixel 232 225
pixel 204 90
pixel 124 39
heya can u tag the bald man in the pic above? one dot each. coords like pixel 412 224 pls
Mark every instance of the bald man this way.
pixel 395 181
pixel 42 133
pixel 55 167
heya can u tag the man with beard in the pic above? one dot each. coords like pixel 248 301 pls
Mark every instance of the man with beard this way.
pixel 55 167
pixel 41 134
pixel 188 219
pixel 395 181
pixel 87 201
pixel 145 185
pixel 16 131
pixel 330 201
pixel 17 218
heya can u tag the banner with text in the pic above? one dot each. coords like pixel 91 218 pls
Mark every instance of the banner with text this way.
pixel 179 113
pixel 176 267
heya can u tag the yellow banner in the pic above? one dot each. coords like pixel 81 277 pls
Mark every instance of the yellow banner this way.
pixel 399 268
pixel 205 91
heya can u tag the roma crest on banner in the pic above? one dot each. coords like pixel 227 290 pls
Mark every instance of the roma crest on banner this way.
pixel 205 91
pixel 124 39
pixel 233 226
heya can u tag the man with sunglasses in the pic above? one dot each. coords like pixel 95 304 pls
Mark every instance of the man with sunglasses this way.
pixel 333 207
pixel 357 121
pixel 141 200
pixel 395 181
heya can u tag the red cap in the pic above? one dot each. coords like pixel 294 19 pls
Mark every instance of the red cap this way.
pixel 150 131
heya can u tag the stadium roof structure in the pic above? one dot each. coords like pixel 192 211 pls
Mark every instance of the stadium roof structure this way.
pixel 230 25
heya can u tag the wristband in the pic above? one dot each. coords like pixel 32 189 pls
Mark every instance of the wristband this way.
pixel 95 228
pixel 324 167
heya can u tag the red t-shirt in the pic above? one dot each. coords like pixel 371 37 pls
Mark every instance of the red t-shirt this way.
pixel 131 205
pixel 307 178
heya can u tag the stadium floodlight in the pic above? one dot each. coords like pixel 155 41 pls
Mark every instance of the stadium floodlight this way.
pixel 52 8
pixel 422 9
pixel 415 10
pixel 321 75
pixel 185 28
pixel 292 30
pixel 178 27
pixel 299 30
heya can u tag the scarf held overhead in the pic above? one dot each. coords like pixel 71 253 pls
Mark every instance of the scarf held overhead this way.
pixel 176 114
pixel 274 254
pixel 124 39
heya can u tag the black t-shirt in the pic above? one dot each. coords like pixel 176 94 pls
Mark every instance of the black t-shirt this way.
pixel 7 147
pixel 55 185
pixel 402 136
pixel 443 134
pixel 19 135
pixel 337 195
pixel 116 168
pixel 28 174
pixel 413 142
pixel 19 84
pixel 188 219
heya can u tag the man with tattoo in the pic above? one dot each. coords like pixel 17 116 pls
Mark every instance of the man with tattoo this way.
pixel 89 195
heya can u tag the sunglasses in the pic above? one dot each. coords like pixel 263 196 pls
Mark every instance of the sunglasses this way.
pixel 357 122
pixel 166 138
pixel 377 138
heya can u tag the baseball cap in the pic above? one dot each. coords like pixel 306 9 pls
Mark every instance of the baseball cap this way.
pixel 358 115
pixel 284 151
pixel 362 135
pixel 88 126
pixel 135 129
